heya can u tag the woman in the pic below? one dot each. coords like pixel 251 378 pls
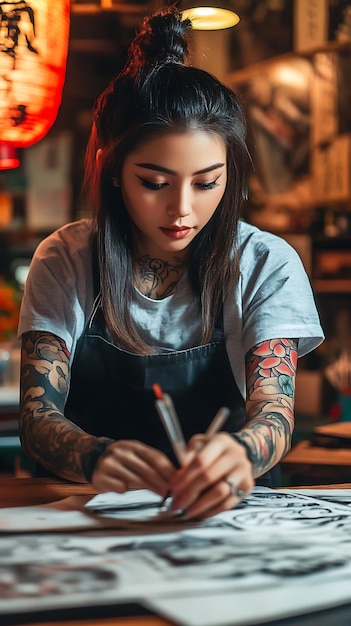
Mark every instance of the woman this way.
pixel 165 285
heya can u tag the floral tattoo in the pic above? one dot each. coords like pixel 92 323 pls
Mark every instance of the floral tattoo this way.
pixel 270 373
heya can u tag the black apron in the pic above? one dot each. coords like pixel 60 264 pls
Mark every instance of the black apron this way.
pixel 111 389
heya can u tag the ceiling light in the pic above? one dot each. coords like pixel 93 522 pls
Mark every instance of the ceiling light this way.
pixel 209 15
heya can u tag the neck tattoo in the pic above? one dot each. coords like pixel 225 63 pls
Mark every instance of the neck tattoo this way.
pixel 157 279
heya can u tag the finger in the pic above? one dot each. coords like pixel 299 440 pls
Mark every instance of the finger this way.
pixel 189 482
pixel 219 456
pixel 157 459
pixel 216 499
pixel 196 443
pixel 103 482
pixel 224 505
pixel 215 489
pixel 235 489
pixel 226 494
pixel 211 450
pixel 135 473
pixel 150 457
pixel 132 463
pixel 113 472
pixel 185 496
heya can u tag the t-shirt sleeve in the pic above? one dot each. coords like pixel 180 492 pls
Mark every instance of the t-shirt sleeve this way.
pixel 55 298
pixel 277 297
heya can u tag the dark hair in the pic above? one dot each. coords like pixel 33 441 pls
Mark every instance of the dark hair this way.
pixel 156 93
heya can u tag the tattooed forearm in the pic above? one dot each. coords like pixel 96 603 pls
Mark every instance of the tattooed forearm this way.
pixel 46 435
pixel 45 355
pixel 268 440
pixel 270 373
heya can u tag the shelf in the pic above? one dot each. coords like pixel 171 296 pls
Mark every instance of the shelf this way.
pixel 245 73
pixel 91 8
pixel 338 285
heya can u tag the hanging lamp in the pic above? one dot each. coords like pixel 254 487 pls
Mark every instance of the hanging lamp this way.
pixel 209 14
pixel 33 54
pixel 8 156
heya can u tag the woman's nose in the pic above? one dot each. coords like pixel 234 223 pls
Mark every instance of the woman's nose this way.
pixel 180 203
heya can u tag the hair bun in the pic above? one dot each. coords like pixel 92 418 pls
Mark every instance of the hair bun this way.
pixel 163 38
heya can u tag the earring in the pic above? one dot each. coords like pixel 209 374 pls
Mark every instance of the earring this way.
pixel 115 182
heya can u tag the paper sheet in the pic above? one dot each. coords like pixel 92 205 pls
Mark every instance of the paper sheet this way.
pixel 279 553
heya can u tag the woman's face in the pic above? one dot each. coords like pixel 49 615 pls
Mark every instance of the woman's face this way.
pixel 171 187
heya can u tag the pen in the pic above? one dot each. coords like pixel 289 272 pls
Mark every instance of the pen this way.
pixel 169 418
pixel 168 415
pixel 218 421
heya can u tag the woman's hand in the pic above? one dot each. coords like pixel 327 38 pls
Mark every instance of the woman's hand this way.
pixel 129 464
pixel 216 477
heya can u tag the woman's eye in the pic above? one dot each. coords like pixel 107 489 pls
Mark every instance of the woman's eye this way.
pixel 153 186
pixel 205 186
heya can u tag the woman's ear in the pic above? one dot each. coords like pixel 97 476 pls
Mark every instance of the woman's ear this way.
pixel 98 156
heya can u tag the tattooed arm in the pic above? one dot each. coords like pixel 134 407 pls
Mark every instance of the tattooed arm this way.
pixel 221 470
pixel 270 375
pixel 46 435
pixel 58 444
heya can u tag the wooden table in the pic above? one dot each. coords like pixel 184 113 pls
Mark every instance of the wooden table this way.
pixel 142 620
pixel 36 491
pixel 306 463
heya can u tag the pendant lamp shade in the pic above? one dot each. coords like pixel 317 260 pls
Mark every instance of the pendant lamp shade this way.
pixel 8 156
pixel 33 54
pixel 209 14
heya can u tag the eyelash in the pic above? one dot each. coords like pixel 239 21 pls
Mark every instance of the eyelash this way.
pixel 153 186
pixel 206 186
pixel 158 186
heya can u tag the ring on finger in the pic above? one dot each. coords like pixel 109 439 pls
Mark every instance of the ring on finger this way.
pixel 234 490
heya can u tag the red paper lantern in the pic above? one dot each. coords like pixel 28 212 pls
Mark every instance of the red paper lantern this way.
pixel 33 52
pixel 8 156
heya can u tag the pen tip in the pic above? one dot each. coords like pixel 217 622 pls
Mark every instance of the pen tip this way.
pixel 157 391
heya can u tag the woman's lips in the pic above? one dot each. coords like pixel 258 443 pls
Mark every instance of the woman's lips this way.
pixel 176 233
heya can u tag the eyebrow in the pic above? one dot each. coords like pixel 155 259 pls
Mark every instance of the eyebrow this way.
pixel 165 170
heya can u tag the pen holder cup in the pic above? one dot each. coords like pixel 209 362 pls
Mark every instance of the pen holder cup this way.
pixel 345 406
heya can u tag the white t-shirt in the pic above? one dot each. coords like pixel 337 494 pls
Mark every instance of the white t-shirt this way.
pixel 273 298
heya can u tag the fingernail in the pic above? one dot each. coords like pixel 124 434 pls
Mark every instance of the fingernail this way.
pixel 198 446
pixel 177 505
pixel 179 513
